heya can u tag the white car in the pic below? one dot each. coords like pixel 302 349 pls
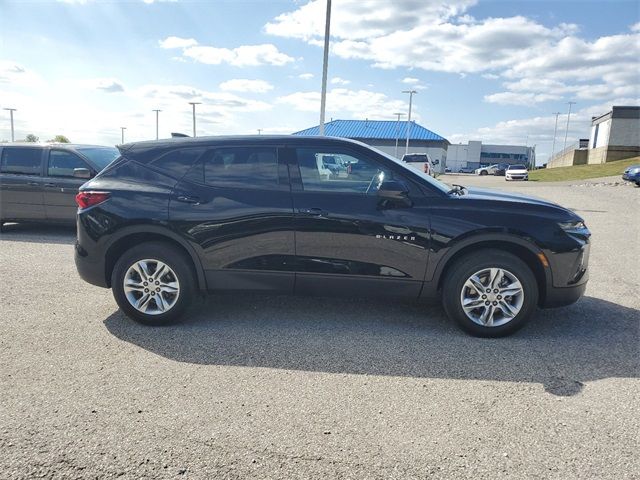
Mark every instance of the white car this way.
pixel 516 172
pixel 489 170
pixel 421 162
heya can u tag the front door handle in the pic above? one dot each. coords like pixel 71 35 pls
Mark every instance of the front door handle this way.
pixel 34 184
pixel 49 184
pixel 188 199
pixel 316 212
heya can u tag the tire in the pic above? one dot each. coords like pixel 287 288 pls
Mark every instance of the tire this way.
pixel 483 172
pixel 455 289
pixel 171 305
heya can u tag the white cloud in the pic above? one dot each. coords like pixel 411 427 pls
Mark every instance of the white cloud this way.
pixel 339 81
pixel 243 56
pixel 245 85
pixel 516 98
pixel 177 42
pixel 109 85
pixel 16 74
pixel 410 80
pixel 306 76
pixel 342 102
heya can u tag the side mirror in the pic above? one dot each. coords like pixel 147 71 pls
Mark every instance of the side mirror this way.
pixel 436 162
pixel 81 173
pixel 393 192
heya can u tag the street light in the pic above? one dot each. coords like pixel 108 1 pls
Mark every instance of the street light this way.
pixel 566 132
pixel 555 131
pixel 157 113
pixel 11 110
pixel 399 114
pixel 260 131
pixel 122 129
pixel 193 104
pixel 411 93
pixel 325 61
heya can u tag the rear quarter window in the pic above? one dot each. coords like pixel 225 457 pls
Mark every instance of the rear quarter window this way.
pixel 177 162
pixel 21 161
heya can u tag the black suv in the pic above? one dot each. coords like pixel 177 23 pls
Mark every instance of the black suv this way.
pixel 39 182
pixel 172 217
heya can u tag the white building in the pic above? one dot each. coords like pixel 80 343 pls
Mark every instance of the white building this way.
pixel 474 155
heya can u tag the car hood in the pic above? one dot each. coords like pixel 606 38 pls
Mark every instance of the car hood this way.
pixel 474 193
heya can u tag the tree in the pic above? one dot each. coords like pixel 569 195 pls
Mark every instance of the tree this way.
pixel 60 139
pixel 31 138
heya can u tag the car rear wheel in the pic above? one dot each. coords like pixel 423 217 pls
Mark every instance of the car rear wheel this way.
pixel 483 172
pixel 490 293
pixel 153 283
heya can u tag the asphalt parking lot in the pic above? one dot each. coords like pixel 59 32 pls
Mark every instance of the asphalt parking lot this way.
pixel 278 387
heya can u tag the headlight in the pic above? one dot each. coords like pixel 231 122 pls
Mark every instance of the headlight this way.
pixel 575 227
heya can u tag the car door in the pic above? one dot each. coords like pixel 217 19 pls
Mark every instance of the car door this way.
pixel 235 206
pixel 21 191
pixel 60 186
pixel 348 239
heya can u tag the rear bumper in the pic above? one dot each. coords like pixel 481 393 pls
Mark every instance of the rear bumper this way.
pixel 560 297
pixel 91 270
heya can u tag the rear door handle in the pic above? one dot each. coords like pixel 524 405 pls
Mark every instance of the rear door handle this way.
pixel 50 185
pixel 188 199
pixel 316 212
pixel 34 184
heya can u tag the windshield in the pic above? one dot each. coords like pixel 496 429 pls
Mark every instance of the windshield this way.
pixel 517 167
pixel 427 178
pixel 100 156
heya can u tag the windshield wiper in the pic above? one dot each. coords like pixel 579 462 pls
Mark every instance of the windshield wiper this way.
pixel 457 189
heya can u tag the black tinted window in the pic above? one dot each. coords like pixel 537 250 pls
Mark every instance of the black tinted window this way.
pixel 177 162
pixel 62 163
pixel 245 167
pixel 24 161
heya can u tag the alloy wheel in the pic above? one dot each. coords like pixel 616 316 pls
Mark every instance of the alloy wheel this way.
pixel 151 286
pixel 492 297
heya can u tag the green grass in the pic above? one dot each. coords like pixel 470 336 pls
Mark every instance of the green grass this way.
pixel 580 172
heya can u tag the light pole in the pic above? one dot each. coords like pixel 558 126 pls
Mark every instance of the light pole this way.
pixel 555 131
pixel 399 114
pixel 11 110
pixel 260 131
pixel 325 61
pixel 122 129
pixel 193 104
pixel 157 113
pixel 411 93
pixel 566 132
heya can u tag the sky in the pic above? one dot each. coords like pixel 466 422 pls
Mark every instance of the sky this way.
pixel 495 71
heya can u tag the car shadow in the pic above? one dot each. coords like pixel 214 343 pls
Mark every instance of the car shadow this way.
pixel 38 233
pixel 560 349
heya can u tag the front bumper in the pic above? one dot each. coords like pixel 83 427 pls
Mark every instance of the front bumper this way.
pixel 631 177
pixel 560 297
pixel 516 177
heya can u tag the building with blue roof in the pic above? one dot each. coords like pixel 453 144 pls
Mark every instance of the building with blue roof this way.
pixel 383 135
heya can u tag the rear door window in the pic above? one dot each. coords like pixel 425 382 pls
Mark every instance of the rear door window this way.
pixel 63 163
pixel 177 162
pixel 243 167
pixel 21 161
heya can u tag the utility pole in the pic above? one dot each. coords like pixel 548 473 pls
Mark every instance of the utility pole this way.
pixel 325 61
pixel 555 131
pixel 122 129
pixel 399 114
pixel 566 132
pixel 157 113
pixel 260 131
pixel 411 93
pixel 11 110
pixel 193 104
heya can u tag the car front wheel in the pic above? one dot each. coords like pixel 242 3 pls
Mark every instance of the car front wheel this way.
pixel 153 284
pixel 490 293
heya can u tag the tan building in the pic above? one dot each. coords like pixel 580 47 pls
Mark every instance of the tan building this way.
pixel 614 136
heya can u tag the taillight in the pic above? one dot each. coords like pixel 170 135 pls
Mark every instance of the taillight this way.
pixel 89 199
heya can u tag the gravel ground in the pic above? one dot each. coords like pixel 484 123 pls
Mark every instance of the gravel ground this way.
pixel 277 387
